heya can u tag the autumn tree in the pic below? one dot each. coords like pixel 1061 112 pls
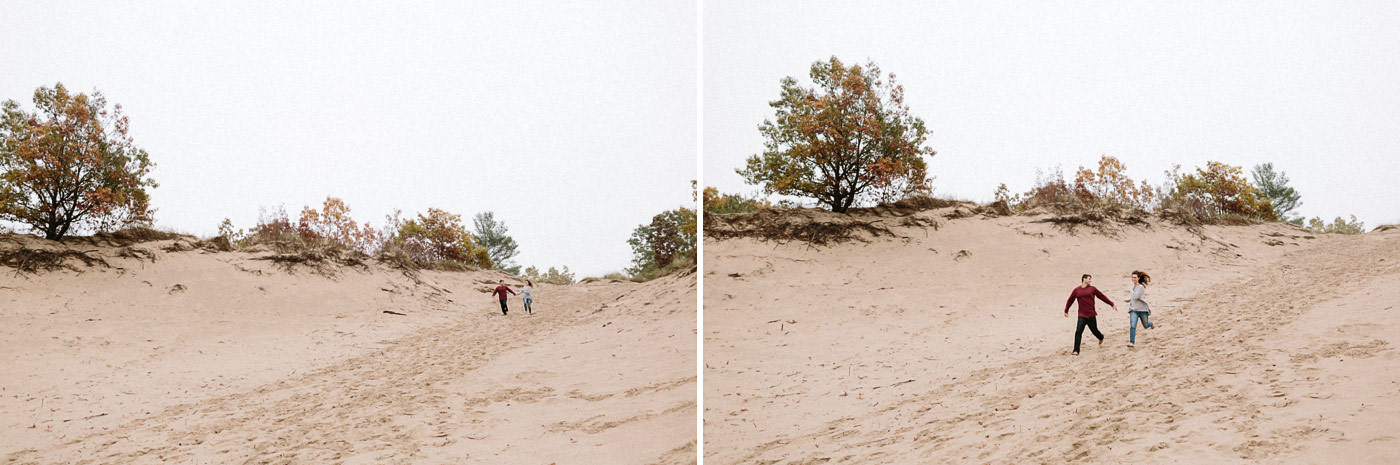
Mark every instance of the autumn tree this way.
pixel 333 223
pixel 669 240
pixel 71 165
pixel 848 139
pixel 1274 186
pixel 1219 190
pixel 439 237
pixel 1111 185
pixel 492 235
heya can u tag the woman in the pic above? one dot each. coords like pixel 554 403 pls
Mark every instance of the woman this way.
pixel 525 295
pixel 1137 307
pixel 1085 294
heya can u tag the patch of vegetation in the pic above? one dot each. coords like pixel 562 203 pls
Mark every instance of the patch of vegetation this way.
pixel 1337 226
pixel 71 165
pixel 849 138
pixel 665 245
pixel 26 260
pixel 716 203
pixel 551 276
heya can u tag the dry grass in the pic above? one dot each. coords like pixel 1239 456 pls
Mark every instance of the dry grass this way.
pixel 679 265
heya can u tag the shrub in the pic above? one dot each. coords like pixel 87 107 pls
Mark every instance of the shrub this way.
pixel 717 203
pixel 1338 226
pixel 850 138
pixel 1216 191
pixel 333 224
pixel 233 235
pixel 676 265
pixel 71 165
pixel 1111 186
pixel 1003 195
pixel 274 229
pixel 552 276
pixel 439 239
pixel 1050 191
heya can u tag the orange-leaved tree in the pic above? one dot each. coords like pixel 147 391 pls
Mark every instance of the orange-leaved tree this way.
pixel 1111 185
pixel 333 223
pixel 71 165
pixel 440 237
pixel 849 139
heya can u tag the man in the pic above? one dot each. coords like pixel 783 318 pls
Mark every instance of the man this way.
pixel 502 290
pixel 1085 294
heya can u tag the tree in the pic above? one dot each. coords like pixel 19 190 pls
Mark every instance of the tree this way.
pixel 849 138
pixel 333 223
pixel 1111 185
pixel 1274 186
pixel 1218 190
pixel 492 235
pixel 669 238
pixel 71 165
pixel 440 237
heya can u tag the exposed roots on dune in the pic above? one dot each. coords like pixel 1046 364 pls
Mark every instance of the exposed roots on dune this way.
pixel 821 227
pixel 805 225
pixel 322 261
pixel 25 260
pixel 910 206
pixel 1105 221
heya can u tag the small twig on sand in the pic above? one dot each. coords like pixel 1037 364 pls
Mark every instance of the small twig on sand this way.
pixel 86 418
pixel 394 313
pixel 896 384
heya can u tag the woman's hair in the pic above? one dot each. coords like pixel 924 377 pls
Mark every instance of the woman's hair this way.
pixel 1143 278
pixel 528 283
pixel 1082 278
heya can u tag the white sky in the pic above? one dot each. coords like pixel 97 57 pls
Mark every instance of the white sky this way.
pixel 1007 87
pixel 573 121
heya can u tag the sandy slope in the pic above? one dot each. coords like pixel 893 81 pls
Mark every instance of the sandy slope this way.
pixel 949 346
pixel 220 358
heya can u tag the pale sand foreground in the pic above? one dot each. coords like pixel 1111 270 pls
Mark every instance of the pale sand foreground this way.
pixel 219 358
pixel 908 350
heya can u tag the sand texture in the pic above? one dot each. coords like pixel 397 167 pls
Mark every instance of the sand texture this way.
pixel 948 345
pixel 168 355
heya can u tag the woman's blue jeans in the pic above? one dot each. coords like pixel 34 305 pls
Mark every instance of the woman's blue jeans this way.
pixel 1133 323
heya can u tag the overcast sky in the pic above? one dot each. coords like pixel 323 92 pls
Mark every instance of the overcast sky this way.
pixel 1008 87
pixel 573 121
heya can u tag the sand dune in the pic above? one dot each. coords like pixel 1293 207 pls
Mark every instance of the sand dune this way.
pixel 197 357
pixel 948 345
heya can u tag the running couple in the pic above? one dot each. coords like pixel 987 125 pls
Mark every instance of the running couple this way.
pixel 502 289
pixel 1085 294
